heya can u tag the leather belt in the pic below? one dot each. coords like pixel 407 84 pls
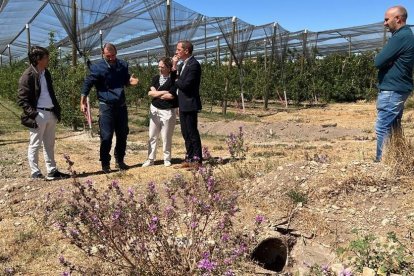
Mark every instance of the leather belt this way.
pixel 45 109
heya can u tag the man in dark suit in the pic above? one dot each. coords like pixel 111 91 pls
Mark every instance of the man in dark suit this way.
pixel 188 90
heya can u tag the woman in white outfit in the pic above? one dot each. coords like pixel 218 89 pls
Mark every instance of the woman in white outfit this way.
pixel 162 111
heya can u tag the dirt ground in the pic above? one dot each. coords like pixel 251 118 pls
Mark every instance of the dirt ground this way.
pixel 325 152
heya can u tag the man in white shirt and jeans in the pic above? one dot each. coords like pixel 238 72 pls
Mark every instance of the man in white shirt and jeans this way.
pixel 41 112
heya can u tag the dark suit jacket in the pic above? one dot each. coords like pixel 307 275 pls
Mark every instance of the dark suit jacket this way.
pixel 189 84
pixel 29 93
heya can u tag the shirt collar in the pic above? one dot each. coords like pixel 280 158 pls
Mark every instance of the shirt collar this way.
pixel 185 61
pixel 41 73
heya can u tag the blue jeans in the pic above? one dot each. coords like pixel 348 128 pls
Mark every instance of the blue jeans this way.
pixel 390 107
pixel 113 118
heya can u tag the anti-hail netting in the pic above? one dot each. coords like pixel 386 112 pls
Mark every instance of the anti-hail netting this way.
pixel 147 29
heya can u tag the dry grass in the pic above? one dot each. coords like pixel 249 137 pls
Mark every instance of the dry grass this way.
pixel 33 249
pixel 399 155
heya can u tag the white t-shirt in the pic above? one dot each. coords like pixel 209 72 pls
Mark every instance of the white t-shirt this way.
pixel 45 101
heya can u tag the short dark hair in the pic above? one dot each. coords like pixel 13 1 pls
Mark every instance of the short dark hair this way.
pixel 109 46
pixel 167 62
pixel 36 53
pixel 187 45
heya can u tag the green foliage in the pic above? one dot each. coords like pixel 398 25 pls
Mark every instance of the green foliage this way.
pixel 9 78
pixel 67 82
pixel 334 78
pixel 389 256
pixel 138 95
pixel 317 270
pixel 297 197
pixel 236 145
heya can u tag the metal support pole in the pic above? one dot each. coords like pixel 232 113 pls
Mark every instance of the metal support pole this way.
pixel 304 48
pixel 230 63
pixel 101 39
pixel 315 50
pixel 265 54
pixel 168 30
pixel 60 53
pixel 148 59
pixel 273 56
pixel 218 51
pixel 10 57
pixel 75 35
pixel 205 39
pixel 28 38
pixel 350 46
pixel 1 60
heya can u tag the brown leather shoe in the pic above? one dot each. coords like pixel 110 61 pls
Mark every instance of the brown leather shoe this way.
pixel 186 165
pixel 194 166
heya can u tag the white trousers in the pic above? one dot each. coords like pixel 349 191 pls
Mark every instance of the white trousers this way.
pixel 43 134
pixel 161 121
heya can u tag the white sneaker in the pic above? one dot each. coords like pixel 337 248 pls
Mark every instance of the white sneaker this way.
pixel 167 163
pixel 148 163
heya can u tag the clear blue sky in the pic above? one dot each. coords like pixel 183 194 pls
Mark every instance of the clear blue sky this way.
pixel 294 15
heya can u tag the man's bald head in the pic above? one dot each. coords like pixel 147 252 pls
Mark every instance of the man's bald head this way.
pixel 395 18
pixel 399 11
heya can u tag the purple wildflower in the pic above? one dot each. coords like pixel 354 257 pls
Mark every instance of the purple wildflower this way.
pixel 9 271
pixel 74 233
pixel 225 237
pixel 325 268
pixel 210 183
pixel 228 261
pixel 216 197
pixel 169 211
pixel 193 225
pixel 239 251
pixel 131 192
pixel 62 259
pixel 259 219
pixel 346 272
pixel 153 224
pixel 59 226
pixel 206 153
pixel 206 264
pixel 116 214
pixel 151 187
pixel 115 184
pixel 89 183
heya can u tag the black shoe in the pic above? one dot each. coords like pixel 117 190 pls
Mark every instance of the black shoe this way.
pixel 121 166
pixel 57 175
pixel 106 168
pixel 37 176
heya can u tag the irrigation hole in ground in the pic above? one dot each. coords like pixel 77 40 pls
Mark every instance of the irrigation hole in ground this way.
pixel 271 254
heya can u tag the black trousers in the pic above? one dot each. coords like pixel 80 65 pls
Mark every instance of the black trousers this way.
pixel 188 122
pixel 113 118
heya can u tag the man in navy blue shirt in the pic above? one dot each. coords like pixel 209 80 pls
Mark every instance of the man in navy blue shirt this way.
pixel 110 76
pixel 395 64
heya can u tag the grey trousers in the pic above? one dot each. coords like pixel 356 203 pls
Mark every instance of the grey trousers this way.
pixel 43 134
